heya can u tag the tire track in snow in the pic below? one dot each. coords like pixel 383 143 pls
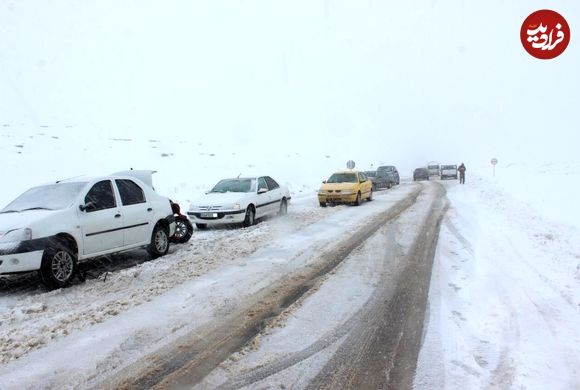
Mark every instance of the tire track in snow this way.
pixel 375 339
pixel 188 361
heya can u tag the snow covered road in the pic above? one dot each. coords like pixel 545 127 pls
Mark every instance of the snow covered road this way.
pixel 360 326
pixel 122 331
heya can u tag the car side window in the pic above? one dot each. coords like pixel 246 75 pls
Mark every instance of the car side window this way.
pixel 272 184
pixel 130 192
pixel 262 184
pixel 101 196
pixel 362 177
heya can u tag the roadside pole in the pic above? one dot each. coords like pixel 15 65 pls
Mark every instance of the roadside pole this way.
pixel 493 164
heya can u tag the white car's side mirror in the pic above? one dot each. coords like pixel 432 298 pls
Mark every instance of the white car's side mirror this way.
pixel 262 190
pixel 89 206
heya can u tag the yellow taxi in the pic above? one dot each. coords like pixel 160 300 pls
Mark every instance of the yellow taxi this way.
pixel 345 187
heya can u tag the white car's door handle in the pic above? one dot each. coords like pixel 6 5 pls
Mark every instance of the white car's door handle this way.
pixel 118 215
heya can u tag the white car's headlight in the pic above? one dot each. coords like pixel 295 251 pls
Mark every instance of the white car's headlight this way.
pixel 347 192
pixel 15 235
pixel 236 206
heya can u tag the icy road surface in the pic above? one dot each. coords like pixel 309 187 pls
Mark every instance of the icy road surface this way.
pixel 97 333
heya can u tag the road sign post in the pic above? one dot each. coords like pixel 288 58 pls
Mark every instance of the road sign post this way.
pixel 493 164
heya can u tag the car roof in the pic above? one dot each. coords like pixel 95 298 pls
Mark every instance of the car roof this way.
pixel 141 175
pixel 241 178
pixel 347 171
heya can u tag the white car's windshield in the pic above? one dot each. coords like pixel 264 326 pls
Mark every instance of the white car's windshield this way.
pixel 235 185
pixel 342 178
pixel 48 197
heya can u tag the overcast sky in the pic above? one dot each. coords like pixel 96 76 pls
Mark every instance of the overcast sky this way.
pixel 431 80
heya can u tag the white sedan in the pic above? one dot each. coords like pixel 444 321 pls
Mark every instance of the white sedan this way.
pixel 240 200
pixel 51 227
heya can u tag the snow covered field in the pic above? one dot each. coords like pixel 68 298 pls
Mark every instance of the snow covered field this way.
pixel 187 167
pixel 505 290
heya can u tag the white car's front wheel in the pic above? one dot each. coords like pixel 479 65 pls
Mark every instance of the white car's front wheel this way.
pixel 250 217
pixel 58 267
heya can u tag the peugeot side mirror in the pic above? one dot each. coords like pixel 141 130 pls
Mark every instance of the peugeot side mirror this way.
pixel 262 190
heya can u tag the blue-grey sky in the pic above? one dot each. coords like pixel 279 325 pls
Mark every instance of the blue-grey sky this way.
pixel 372 80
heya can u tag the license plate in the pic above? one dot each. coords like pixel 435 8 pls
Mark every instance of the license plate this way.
pixel 209 215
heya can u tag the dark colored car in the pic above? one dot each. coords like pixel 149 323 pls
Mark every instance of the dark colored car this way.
pixel 390 170
pixel 421 174
pixel 448 172
pixel 380 179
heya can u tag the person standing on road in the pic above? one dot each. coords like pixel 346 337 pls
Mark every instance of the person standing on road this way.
pixel 462 170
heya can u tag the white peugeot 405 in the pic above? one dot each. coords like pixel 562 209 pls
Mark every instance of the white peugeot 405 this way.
pixel 50 227
pixel 240 200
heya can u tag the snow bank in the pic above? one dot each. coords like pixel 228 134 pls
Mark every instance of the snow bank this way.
pixel 550 189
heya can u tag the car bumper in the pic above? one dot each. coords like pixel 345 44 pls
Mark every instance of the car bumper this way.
pixel 20 262
pixel 217 218
pixel 443 177
pixel 171 221
pixel 328 198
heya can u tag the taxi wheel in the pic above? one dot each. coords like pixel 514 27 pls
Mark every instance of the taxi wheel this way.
pixel 357 201
pixel 322 204
pixel 370 196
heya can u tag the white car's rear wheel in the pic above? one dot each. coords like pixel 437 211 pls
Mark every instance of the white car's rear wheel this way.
pixel 250 217
pixel 159 241
pixel 283 207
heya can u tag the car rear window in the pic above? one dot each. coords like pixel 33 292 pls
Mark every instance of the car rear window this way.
pixel 130 192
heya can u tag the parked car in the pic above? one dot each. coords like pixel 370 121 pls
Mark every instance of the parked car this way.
pixel 345 187
pixel 380 179
pixel 240 200
pixel 448 172
pixel 434 169
pixel 51 227
pixel 391 171
pixel 421 174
